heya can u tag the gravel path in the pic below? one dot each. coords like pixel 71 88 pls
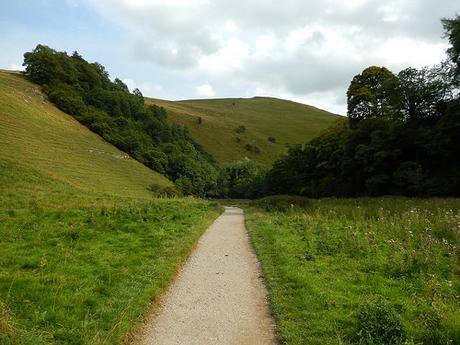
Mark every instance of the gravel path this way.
pixel 218 296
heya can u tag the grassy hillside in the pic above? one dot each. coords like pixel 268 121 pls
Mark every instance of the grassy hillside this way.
pixel 34 133
pixel 285 121
pixel 84 248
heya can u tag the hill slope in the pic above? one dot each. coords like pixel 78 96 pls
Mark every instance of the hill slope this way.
pixel 35 134
pixel 285 121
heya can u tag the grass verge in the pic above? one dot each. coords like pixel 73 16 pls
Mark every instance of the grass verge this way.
pixel 362 271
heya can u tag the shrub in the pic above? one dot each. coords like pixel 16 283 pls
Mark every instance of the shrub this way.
pixel 66 99
pixel 240 129
pixel 281 203
pixel 162 191
pixel 252 148
pixel 243 179
pixel 378 323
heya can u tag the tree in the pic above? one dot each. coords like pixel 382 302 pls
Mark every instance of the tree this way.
pixel 44 65
pixel 452 32
pixel 369 94
pixel 243 179
pixel 421 93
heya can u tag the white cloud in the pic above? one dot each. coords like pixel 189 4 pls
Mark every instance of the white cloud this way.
pixel 230 57
pixel 205 90
pixel 304 50
pixel 402 52
pixel 16 67
pixel 147 88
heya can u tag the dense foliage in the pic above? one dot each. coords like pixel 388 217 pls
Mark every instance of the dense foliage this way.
pixel 108 108
pixel 243 179
pixel 402 137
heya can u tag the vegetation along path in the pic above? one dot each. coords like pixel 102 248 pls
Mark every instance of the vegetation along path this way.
pixel 218 296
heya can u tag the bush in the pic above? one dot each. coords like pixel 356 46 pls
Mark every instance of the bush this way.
pixel 161 191
pixel 244 179
pixel 240 129
pixel 378 323
pixel 66 99
pixel 252 148
pixel 281 203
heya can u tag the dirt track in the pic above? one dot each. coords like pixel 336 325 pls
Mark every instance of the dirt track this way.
pixel 218 296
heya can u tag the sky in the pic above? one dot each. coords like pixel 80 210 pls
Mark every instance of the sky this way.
pixel 305 51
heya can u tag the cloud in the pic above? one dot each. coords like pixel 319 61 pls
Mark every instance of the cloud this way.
pixel 16 67
pixel 205 90
pixel 147 88
pixel 302 50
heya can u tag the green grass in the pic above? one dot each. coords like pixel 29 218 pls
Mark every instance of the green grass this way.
pixel 35 134
pixel 84 246
pixel 287 122
pixel 327 261
pixel 81 268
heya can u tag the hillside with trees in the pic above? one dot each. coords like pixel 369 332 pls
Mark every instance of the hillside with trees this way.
pixel 109 109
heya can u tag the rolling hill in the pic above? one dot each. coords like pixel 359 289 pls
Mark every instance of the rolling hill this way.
pixel 213 124
pixel 35 134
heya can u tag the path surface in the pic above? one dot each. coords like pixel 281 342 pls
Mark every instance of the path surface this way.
pixel 218 296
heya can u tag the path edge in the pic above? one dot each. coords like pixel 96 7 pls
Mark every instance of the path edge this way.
pixel 263 279
pixel 153 307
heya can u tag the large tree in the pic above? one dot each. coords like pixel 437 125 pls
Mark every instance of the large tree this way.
pixel 420 94
pixel 368 94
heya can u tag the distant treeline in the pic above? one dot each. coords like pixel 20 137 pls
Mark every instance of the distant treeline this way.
pixel 402 137
pixel 108 108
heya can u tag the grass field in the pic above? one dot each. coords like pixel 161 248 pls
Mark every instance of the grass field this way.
pixel 84 246
pixel 263 118
pixel 363 271
pixel 35 134
pixel 81 268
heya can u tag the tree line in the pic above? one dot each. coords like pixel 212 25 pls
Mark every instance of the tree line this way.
pixel 402 136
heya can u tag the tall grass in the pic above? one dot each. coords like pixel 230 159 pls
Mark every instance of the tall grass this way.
pixel 329 264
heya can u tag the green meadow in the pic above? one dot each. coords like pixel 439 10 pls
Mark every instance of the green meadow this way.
pixel 361 271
